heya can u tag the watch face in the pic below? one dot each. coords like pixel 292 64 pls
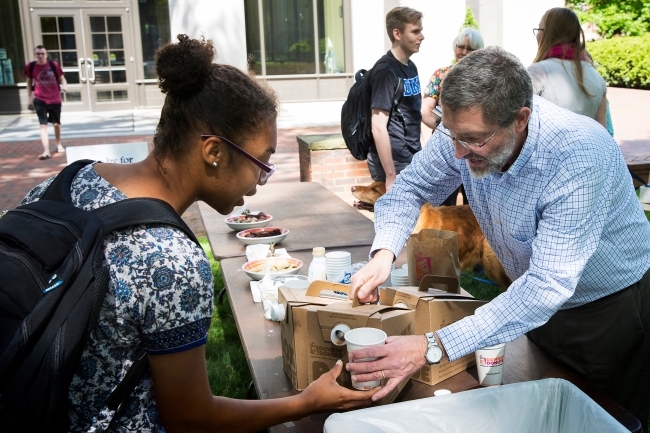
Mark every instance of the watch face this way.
pixel 434 354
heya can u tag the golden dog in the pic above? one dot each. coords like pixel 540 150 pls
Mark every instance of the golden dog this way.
pixel 473 249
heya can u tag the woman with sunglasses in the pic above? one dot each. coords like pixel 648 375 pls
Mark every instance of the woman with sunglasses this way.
pixel 216 134
pixel 467 41
pixel 561 72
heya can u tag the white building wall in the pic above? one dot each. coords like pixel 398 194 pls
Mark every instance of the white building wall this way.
pixel 509 24
pixel 219 20
pixel 441 23
pixel 368 32
pixel 370 40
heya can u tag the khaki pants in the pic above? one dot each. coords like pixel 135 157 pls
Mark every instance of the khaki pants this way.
pixel 607 342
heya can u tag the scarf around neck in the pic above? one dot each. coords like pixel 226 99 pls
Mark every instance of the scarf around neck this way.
pixel 564 52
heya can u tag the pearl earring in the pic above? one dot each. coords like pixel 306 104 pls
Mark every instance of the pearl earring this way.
pixel 214 164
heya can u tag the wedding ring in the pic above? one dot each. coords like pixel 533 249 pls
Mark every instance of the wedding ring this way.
pixel 383 376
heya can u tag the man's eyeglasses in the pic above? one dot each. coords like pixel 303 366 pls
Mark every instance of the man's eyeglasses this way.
pixel 468 145
pixel 267 169
pixel 535 31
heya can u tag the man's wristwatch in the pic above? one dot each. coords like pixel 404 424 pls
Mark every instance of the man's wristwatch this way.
pixel 433 355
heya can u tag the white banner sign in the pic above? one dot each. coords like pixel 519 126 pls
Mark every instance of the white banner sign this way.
pixel 123 153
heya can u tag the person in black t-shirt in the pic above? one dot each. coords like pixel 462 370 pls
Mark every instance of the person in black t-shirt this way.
pixel 395 141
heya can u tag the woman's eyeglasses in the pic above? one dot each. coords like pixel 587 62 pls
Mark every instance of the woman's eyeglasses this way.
pixel 465 47
pixel 535 31
pixel 267 169
pixel 468 145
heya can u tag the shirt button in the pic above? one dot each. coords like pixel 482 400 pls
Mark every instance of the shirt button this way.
pixel 496 221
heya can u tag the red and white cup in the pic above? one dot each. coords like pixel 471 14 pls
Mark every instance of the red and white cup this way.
pixel 489 363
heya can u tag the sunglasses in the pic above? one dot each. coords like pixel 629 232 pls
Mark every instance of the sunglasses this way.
pixel 267 169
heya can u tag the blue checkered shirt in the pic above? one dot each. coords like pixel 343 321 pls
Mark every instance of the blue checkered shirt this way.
pixel 563 220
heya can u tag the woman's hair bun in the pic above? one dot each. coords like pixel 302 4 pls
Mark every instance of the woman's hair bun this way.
pixel 183 68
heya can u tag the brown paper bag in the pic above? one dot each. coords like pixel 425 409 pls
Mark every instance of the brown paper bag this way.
pixel 432 252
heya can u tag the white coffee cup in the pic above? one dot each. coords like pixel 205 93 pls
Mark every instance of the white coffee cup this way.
pixel 360 338
pixel 489 363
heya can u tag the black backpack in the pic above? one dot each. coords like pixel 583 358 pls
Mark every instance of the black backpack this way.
pixel 356 114
pixel 53 280
pixel 32 65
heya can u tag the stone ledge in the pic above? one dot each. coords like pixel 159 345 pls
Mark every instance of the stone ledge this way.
pixel 321 141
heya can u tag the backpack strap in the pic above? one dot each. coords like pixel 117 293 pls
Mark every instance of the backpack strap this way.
pixel 59 189
pixel 52 67
pixel 140 211
pixel 32 65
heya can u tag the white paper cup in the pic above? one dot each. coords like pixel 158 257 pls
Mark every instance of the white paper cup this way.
pixel 489 363
pixel 361 338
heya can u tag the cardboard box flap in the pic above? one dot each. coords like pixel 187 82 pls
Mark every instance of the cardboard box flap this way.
pixel 410 296
pixel 298 298
pixel 317 286
pixel 450 282
pixel 342 313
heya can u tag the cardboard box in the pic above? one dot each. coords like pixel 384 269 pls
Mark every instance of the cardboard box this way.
pixel 294 327
pixel 435 309
pixel 307 347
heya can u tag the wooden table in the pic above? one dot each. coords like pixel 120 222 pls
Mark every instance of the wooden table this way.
pixel 314 216
pixel 262 344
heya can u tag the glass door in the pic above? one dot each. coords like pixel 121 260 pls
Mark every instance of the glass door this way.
pixel 59 31
pixel 93 47
pixel 109 59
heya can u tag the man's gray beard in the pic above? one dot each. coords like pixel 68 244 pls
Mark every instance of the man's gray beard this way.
pixel 497 159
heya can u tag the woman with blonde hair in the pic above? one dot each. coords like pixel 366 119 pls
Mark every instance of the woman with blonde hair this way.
pixel 467 41
pixel 561 72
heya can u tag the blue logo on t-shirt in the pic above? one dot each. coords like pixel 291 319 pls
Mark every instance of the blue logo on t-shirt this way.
pixel 412 86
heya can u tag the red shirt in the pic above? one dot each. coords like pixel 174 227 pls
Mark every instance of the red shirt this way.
pixel 46 83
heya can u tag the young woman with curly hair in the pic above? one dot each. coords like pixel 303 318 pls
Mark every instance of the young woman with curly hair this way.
pixel 216 135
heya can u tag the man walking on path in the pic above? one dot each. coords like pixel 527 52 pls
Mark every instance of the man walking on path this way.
pixel 45 82
pixel 396 139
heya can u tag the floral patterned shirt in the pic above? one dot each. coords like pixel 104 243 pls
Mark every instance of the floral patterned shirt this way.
pixel 160 297
pixel 433 88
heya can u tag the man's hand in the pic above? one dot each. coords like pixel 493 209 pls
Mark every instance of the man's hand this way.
pixel 63 87
pixel 398 359
pixel 368 278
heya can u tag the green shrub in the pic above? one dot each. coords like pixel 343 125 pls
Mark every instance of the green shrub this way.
pixel 470 21
pixel 624 61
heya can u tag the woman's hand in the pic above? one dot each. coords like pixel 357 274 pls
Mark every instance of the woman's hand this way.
pixel 365 282
pixel 325 394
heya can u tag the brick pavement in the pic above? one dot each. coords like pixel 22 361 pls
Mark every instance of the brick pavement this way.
pixel 20 170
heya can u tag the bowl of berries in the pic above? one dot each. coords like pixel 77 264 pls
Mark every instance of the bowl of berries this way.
pixel 248 220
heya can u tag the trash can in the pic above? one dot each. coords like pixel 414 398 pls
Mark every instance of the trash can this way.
pixel 548 405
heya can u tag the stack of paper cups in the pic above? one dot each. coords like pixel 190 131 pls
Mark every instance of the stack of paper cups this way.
pixel 399 277
pixel 336 262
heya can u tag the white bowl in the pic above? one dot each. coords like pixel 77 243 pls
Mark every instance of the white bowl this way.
pixel 243 226
pixel 256 269
pixel 262 240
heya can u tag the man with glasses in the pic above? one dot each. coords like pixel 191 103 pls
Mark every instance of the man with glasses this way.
pixel 45 82
pixel 553 196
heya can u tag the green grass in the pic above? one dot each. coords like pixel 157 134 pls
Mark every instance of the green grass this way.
pixel 478 289
pixel 228 371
